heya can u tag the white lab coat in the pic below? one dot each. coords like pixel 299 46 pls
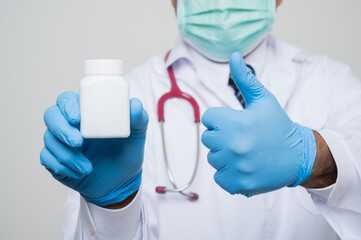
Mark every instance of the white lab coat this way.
pixel 313 90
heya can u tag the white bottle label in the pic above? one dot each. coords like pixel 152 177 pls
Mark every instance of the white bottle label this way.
pixel 104 105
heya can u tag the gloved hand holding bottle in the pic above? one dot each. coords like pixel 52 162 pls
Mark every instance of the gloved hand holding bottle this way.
pixel 103 171
pixel 258 149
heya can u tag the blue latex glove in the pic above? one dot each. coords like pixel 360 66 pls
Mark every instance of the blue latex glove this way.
pixel 104 171
pixel 258 149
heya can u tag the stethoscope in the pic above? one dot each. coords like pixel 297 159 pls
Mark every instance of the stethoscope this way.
pixel 175 92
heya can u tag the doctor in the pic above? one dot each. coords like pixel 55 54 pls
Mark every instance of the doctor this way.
pixel 281 135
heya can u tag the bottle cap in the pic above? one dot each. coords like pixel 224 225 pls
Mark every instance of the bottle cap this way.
pixel 103 67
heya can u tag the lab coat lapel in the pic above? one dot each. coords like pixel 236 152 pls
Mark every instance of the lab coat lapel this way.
pixel 281 71
pixel 281 80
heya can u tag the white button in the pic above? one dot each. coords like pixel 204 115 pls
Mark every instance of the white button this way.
pixel 341 199
pixel 91 230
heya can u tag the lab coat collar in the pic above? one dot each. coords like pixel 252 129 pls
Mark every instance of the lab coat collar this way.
pixel 179 51
pixel 275 66
pixel 214 75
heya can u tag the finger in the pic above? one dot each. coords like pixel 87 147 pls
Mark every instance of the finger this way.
pixel 70 157
pixel 61 129
pixel 58 177
pixel 68 103
pixel 210 118
pixel 138 118
pixel 48 160
pixel 219 178
pixel 210 139
pixel 224 180
pixel 252 90
pixel 216 159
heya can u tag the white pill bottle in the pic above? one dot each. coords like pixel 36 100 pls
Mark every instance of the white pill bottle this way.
pixel 104 100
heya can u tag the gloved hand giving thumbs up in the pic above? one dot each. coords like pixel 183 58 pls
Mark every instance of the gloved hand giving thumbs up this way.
pixel 103 171
pixel 258 149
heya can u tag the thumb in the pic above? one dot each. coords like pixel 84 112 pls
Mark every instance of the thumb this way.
pixel 252 90
pixel 138 118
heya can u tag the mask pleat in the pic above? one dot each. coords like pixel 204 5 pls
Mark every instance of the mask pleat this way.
pixel 216 28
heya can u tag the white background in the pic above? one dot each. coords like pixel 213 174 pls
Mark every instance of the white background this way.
pixel 42 47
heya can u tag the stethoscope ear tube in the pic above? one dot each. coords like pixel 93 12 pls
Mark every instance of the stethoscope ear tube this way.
pixel 164 190
pixel 191 196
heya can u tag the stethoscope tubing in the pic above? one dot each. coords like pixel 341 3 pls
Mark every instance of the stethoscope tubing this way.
pixel 175 92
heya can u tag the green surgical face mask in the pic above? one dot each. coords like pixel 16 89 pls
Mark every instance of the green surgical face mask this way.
pixel 217 28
